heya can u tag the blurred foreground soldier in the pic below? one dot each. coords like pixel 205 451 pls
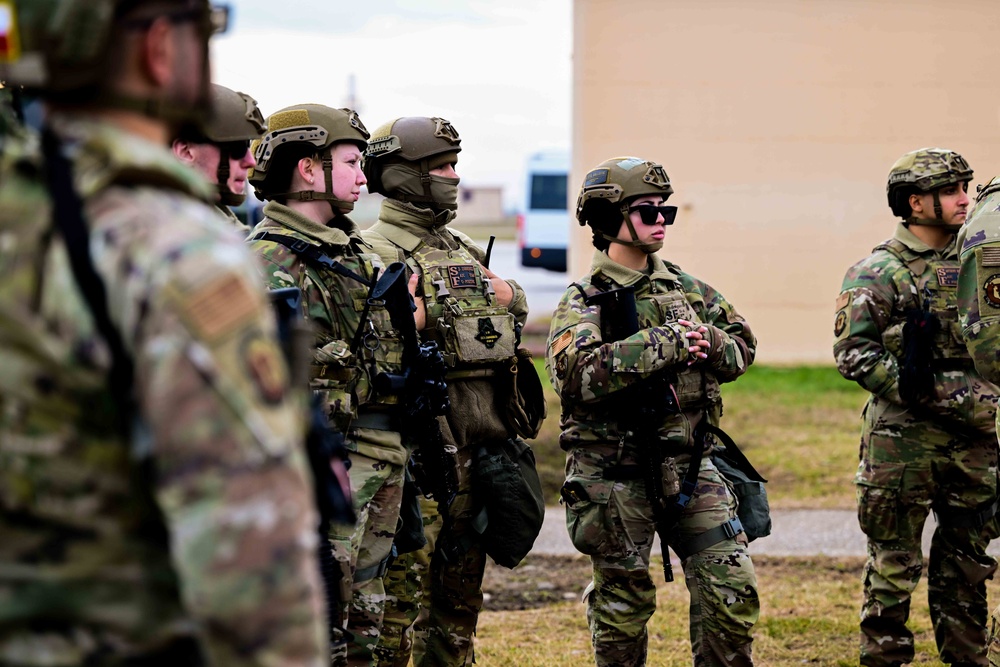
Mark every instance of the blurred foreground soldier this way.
pixel 928 438
pixel 637 351
pixel 309 171
pixel 154 504
pixel 434 595
pixel 220 147
pixel 979 311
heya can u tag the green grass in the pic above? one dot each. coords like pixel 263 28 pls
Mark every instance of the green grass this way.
pixel 798 425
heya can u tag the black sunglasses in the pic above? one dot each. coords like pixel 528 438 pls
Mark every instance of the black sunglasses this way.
pixel 649 212
pixel 213 19
pixel 234 150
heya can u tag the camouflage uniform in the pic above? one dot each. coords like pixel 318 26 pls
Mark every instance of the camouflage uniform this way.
pixel 344 376
pixel 979 310
pixel 612 521
pixel 192 540
pixel 452 591
pixel 940 455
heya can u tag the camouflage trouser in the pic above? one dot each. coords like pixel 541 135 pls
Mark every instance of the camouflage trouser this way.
pixel 378 489
pixel 907 468
pixel 451 593
pixel 614 525
pixel 993 649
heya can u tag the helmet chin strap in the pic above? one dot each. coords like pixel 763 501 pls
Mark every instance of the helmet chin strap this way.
pixel 226 196
pixel 312 195
pixel 648 248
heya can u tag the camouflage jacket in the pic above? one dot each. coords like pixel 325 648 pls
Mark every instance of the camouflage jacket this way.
pixel 407 233
pixel 979 282
pixel 901 274
pixel 334 304
pixel 591 375
pixel 199 526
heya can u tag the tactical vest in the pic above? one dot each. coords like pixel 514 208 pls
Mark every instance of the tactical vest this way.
pixel 936 282
pixel 695 389
pixel 359 327
pixel 473 328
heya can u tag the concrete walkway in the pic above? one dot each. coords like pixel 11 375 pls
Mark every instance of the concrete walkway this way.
pixel 795 533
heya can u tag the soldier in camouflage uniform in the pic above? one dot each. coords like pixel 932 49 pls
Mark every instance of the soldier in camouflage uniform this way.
pixel 928 439
pixel 412 162
pixel 687 328
pixel 309 171
pixel 154 502
pixel 220 147
pixel 979 311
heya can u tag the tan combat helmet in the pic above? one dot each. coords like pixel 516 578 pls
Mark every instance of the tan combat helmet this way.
pixel 305 129
pixel 63 48
pixel 401 155
pixel 234 122
pixel 924 170
pixel 619 181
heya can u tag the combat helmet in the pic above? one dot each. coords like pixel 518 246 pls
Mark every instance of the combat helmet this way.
pixel 235 121
pixel 302 130
pixel 401 155
pixel 617 182
pixel 60 49
pixel 924 170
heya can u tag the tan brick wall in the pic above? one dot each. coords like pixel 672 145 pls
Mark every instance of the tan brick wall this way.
pixel 777 121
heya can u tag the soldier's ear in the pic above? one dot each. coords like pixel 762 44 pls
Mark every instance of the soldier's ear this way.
pixel 917 203
pixel 182 151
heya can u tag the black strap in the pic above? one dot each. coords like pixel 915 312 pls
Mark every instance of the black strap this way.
pixel 733 453
pixel 311 254
pixel 724 531
pixel 67 218
pixel 964 518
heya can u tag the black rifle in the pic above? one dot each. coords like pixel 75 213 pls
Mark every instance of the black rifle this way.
pixel 916 376
pixel 424 394
pixel 649 403
pixel 325 449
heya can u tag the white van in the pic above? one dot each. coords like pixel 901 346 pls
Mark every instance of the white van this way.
pixel 543 227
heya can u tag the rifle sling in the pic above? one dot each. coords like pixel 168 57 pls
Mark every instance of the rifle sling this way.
pixel 67 217
pixel 311 254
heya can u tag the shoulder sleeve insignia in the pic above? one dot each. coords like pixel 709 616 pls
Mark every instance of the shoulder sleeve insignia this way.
pixel 991 290
pixel 991 256
pixel 561 342
pixel 843 300
pixel 840 324
pixel 223 305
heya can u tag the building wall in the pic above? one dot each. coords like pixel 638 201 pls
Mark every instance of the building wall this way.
pixel 777 121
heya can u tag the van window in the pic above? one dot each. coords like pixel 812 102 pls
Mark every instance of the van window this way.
pixel 548 192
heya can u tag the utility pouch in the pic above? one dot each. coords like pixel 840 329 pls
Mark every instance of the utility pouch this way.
pixel 754 511
pixel 669 478
pixel 481 335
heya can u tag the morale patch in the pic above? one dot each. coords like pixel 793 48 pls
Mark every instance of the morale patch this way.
pixel 561 343
pixel 991 290
pixel 597 177
pixel 220 307
pixel 947 276
pixel 461 275
pixel 840 324
pixel 488 335
pixel 991 256
pixel 843 300
pixel 630 163
pixel 266 367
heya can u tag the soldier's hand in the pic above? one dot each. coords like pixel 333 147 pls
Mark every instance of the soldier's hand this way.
pixel 420 314
pixel 700 344
pixel 505 293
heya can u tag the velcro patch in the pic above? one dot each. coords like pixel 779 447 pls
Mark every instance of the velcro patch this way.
pixel 990 256
pixel 991 291
pixel 461 275
pixel 947 276
pixel 561 343
pixel 843 300
pixel 597 177
pixel 221 306
pixel 840 324
pixel 266 367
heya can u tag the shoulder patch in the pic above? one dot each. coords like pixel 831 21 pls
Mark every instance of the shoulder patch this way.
pixel 991 256
pixel 221 306
pixel 561 342
pixel 991 291
pixel 840 324
pixel 843 300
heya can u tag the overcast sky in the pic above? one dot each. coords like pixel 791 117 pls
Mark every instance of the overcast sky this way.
pixel 499 71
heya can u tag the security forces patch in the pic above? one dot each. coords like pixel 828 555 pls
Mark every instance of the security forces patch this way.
pixel 840 324
pixel 488 335
pixel 597 177
pixel 947 276
pixel 266 367
pixel 462 275
pixel 991 290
